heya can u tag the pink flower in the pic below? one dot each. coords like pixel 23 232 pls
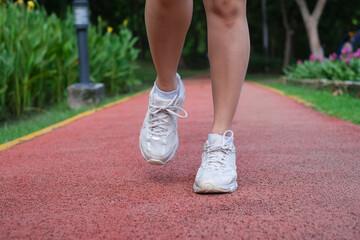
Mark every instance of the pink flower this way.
pixel 345 50
pixel 351 55
pixel 357 53
pixel 347 61
pixel 312 58
pixel 333 57
pixel 299 62
pixel 319 58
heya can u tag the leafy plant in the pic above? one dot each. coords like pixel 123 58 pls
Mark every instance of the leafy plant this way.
pixel 38 57
pixel 346 67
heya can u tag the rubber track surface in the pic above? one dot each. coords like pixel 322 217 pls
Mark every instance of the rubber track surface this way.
pixel 299 176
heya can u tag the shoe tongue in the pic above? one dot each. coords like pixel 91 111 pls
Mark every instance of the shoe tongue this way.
pixel 159 101
pixel 215 139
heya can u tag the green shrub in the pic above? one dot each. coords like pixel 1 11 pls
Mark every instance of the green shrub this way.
pixel 38 58
pixel 345 68
pixel 112 58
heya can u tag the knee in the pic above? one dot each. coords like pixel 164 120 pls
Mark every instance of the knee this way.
pixel 228 9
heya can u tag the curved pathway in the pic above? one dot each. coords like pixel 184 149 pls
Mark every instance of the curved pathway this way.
pixel 299 176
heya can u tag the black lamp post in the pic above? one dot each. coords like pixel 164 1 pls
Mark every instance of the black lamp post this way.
pixel 81 14
pixel 84 93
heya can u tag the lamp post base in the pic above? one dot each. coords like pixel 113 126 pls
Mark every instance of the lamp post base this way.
pixel 85 94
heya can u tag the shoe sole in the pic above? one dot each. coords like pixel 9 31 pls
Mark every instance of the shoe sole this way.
pixel 210 187
pixel 157 161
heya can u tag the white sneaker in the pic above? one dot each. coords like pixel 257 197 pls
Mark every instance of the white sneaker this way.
pixel 217 173
pixel 158 137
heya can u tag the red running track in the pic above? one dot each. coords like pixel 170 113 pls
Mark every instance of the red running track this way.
pixel 299 176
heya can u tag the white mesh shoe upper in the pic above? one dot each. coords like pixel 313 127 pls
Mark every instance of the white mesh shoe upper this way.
pixel 217 172
pixel 158 137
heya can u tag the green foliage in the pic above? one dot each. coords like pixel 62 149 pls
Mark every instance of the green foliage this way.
pixel 332 70
pixel 112 58
pixel 338 18
pixel 38 58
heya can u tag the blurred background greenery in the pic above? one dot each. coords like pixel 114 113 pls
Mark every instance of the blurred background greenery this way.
pixel 39 58
pixel 338 18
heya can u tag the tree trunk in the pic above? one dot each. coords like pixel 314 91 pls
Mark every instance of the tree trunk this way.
pixel 288 34
pixel 311 24
pixel 313 34
pixel 265 29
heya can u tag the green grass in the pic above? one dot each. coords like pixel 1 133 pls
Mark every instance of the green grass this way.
pixel 344 106
pixel 15 128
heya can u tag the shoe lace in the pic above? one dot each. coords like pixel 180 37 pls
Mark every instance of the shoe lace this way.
pixel 216 154
pixel 160 116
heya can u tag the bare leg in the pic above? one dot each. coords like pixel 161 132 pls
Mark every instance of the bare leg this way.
pixel 167 22
pixel 229 46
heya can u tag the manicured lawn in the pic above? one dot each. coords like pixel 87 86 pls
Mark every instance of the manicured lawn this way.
pixel 344 106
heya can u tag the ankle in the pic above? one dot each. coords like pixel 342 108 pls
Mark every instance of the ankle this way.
pixel 219 131
pixel 166 94
pixel 166 86
pixel 220 125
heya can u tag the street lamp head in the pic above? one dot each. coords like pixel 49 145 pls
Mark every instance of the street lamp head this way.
pixel 81 14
